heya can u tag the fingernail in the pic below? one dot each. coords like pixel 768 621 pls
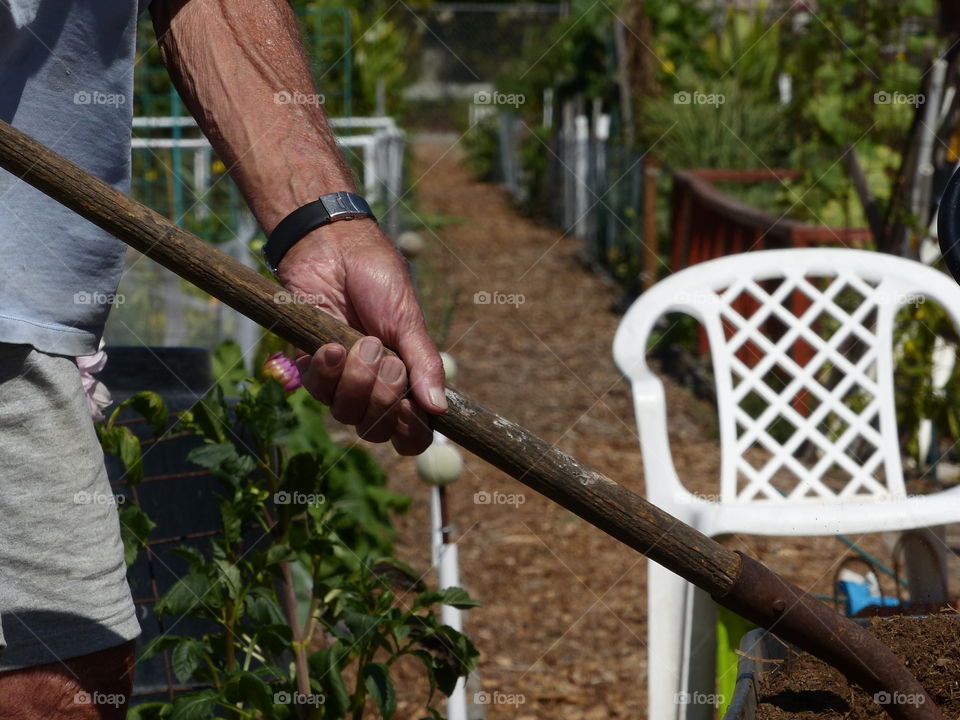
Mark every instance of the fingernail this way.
pixel 391 371
pixel 369 350
pixel 332 356
pixel 438 398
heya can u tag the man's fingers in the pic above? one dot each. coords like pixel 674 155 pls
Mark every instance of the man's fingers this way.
pixel 320 374
pixel 413 434
pixel 364 388
pixel 379 423
pixel 425 368
pixel 357 381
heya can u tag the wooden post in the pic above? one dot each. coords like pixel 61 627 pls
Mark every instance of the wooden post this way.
pixel 651 241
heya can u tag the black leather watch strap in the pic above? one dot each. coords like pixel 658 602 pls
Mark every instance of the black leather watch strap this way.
pixel 303 220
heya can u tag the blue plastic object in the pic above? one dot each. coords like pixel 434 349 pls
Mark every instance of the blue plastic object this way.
pixel 858 596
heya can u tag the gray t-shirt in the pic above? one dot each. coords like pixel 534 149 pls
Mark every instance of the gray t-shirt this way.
pixel 66 78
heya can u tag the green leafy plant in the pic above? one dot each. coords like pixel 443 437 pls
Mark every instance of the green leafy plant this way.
pixel 482 146
pixel 915 337
pixel 310 611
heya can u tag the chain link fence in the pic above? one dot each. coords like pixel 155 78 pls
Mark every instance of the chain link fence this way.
pixel 588 185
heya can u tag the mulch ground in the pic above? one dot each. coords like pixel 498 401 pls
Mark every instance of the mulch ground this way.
pixel 563 622
pixel 807 689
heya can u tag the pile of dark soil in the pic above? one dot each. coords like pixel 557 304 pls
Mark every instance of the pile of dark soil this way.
pixel 806 688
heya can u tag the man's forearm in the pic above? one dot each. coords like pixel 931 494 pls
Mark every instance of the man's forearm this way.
pixel 229 59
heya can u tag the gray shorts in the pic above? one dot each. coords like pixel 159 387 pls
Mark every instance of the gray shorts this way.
pixel 63 588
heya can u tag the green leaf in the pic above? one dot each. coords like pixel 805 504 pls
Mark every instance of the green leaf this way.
pixel 153 409
pixel 429 665
pixel 186 658
pixel 232 518
pixel 360 625
pixel 276 637
pixel 120 441
pixel 223 461
pixel 135 527
pixel 454 596
pixel 260 607
pixel 196 706
pixel 309 434
pixel 325 669
pixel 191 554
pixel 279 552
pixel 228 367
pixel 454 655
pixel 376 676
pixel 400 632
pixel 255 691
pixel 267 413
pixel 150 711
pixel 230 575
pixel 303 475
pixel 208 417
pixel 189 595
pixel 158 645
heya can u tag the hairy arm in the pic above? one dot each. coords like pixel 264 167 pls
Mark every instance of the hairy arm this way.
pixel 229 59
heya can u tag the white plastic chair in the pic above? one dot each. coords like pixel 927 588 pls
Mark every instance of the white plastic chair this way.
pixel 838 471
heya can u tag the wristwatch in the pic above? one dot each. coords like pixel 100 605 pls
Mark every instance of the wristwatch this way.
pixel 323 211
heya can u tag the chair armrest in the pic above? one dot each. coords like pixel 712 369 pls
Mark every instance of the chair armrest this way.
pixel 663 486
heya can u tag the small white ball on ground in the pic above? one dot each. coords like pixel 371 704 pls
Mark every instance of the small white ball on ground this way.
pixel 439 464
pixel 449 366
pixel 410 244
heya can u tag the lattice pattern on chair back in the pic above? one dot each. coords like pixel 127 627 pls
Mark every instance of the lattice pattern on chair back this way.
pixel 804 378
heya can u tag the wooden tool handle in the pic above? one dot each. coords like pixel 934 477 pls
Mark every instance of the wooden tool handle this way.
pixel 518 452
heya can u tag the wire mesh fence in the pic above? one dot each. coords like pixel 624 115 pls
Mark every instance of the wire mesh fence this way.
pixel 585 183
pixel 177 173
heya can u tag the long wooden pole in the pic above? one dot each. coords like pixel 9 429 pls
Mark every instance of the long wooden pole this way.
pixel 734 580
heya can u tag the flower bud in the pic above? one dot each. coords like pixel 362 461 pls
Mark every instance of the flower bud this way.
pixel 282 369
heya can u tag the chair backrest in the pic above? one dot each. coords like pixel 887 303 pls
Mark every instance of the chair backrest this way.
pixel 802 350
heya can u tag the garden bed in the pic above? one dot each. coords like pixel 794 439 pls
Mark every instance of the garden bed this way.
pixel 804 688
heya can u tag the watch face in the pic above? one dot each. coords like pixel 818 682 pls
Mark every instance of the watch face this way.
pixel 345 206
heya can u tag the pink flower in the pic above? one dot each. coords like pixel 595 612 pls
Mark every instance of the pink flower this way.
pixel 96 393
pixel 281 368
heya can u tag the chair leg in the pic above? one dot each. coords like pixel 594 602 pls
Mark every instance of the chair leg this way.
pixel 700 655
pixel 666 620
pixel 681 650
pixel 925 564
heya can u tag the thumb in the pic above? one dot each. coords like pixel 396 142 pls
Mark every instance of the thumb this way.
pixel 424 366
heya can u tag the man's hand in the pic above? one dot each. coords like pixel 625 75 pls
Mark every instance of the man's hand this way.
pixel 351 270
pixel 229 59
